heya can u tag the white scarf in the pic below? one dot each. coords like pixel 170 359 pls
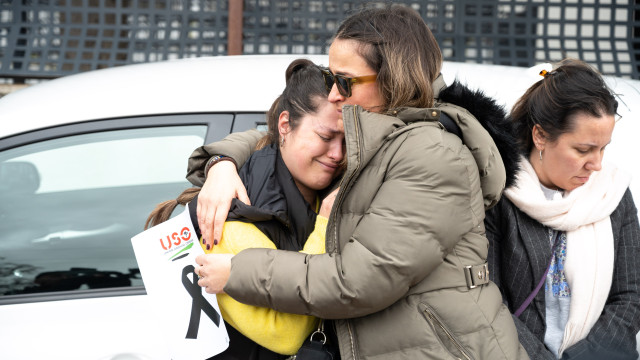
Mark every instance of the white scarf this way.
pixel 584 215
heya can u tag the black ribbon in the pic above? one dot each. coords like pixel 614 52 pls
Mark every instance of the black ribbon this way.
pixel 198 304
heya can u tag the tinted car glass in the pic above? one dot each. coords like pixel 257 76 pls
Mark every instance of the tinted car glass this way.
pixel 71 205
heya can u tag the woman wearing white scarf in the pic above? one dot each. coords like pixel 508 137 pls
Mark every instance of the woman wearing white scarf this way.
pixel 562 125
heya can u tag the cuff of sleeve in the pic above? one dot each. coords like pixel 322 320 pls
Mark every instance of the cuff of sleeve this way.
pixel 216 159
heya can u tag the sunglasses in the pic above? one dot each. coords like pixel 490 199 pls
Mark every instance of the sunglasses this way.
pixel 344 83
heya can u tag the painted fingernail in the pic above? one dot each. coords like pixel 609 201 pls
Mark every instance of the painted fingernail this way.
pixel 208 247
pixel 215 242
pixel 204 241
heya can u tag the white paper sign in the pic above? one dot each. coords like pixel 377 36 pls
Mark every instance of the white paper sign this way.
pixel 188 316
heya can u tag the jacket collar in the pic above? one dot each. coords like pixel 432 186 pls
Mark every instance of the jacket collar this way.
pixel 438 85
pixel 366 131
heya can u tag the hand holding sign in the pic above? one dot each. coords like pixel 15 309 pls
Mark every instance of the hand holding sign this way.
pixel 214 271
pixel 166 256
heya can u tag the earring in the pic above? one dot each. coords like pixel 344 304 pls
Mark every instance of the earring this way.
pixel 282 141
pixel 540 155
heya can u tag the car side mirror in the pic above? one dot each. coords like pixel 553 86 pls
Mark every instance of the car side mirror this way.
pixel 18 178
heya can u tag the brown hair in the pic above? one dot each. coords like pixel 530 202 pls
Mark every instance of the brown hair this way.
pixel 398 45
pixel 303 94
pixel 162 211
pixel 573 87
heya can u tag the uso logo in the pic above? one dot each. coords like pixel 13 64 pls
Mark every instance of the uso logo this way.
pixel 176 239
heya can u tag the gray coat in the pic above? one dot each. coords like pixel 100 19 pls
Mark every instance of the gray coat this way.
pixel 519 253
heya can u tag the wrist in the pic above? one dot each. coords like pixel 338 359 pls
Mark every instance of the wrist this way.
pixel 216 160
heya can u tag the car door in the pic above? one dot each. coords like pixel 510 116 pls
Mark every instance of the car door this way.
pixel 71 198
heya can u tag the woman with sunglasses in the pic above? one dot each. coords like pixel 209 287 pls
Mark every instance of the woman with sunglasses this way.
pixel 404 274
pixel 300 156
pixel 565 238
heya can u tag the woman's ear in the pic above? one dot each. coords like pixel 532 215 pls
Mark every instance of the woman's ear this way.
pixel 283 124
pixel 539 137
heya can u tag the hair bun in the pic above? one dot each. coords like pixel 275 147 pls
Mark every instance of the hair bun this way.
pixel 297 65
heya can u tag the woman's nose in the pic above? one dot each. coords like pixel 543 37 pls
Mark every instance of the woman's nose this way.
pixel 595 163
pixel 336 150
pixel 334 94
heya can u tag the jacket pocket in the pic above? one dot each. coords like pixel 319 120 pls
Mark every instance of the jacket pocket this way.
pixel 444 335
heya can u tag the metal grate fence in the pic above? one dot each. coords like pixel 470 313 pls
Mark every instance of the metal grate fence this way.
pixel 52 38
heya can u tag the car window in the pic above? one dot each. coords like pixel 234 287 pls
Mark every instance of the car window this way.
pixel 71 205
pixel 244 122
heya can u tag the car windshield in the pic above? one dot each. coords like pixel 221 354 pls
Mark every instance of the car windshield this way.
pixel 71 205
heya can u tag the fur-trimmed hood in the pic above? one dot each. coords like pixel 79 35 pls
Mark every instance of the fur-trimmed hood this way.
pixel 493 118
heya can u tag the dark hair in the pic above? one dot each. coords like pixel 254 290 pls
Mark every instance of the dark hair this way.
pixel 398 45
pixel 303 94
pixel 572 88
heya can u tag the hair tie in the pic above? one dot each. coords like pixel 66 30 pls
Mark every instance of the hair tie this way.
pixel 538 72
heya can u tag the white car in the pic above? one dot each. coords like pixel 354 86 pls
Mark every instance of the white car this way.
pixel 85 158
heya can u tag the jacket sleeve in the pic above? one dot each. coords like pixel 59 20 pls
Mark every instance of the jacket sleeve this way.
pixel 495 228
pixel 419 213
pixel 613 336
pixel 238 146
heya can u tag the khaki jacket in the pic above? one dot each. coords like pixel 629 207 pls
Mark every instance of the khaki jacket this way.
pixel 406 222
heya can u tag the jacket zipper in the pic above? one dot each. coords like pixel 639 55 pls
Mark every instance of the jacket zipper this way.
pixel 339 202
pixel 436 321
pixel 343 182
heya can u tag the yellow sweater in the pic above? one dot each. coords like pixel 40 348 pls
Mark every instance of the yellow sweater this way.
pixel 280 332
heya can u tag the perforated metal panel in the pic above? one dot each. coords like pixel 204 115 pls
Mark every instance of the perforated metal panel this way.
pixel 505 32
pixel 599 32
pixel 523 33
pixel 50 38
